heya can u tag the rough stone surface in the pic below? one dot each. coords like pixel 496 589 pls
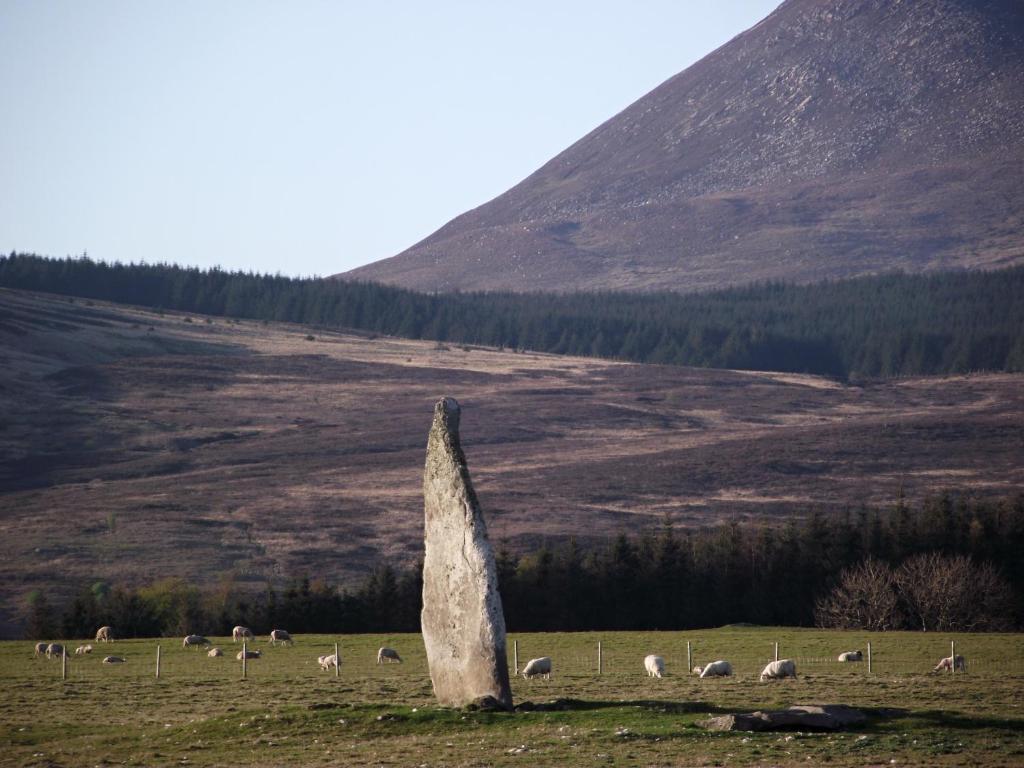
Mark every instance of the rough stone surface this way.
pixel 462 619
pixel 802 717
pixel 485 704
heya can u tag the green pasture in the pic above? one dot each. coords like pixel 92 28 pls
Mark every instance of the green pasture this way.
pixel 289 712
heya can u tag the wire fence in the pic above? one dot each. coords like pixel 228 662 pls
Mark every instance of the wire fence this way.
pixel 573 655
pixel 881 656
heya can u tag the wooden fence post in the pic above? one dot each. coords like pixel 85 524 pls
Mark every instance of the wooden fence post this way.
pixel 869 658
pixel 158 662
pixel 64 662
pixel 337 662
pixel 776 651
pixel 600 659
pixel 515 655
pixel 689 659
pixel 952 656
pixel 244 659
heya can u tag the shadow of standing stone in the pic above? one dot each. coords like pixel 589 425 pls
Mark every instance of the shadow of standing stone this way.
pixel 462 619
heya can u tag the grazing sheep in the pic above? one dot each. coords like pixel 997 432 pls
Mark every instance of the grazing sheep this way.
pixel 720 668
pixel 83 649
pixel 214 653
pixel 389 655
pixel 779 669
pixel 248 654
pixel 536 667
pixel 241 633
pixel 655 665
pixel 194 640
pixel 851 656
pixel 40 649
pixel 947 664
pixel 113 660
pixel 280 636
pixel 326 662
pixel 54 651
pixel 104 635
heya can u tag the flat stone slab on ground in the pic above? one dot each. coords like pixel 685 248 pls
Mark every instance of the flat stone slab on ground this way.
pixel 800 717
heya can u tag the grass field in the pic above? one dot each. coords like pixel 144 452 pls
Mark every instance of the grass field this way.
pixel 289 712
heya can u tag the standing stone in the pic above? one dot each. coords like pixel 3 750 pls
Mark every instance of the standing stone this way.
pixel 462 620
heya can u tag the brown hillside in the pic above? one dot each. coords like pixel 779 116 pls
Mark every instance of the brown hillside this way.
pixel 138 446
pixel 835 138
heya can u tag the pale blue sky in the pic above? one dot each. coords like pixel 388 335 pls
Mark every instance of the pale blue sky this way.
pixel 306 137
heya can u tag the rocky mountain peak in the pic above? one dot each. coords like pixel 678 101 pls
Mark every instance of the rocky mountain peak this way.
pixel 834 138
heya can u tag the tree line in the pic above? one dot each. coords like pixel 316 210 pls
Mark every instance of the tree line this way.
pixel 883 326
pixel 668 580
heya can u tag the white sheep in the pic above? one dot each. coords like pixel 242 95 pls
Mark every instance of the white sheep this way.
pixel 104 635
pixel 249 654
pixel 776 670
pixel 536 667
pixel 83 649
pixel 326 662
pixel 241 633
pixel 214 653
pixel 655 665
pixel 194 641
pixel 851 656
pixel 720 668
pixel 40 649
pixel 280 636
pixel 54 651
pixel 947 664
pixel 389 655
pixel 697 670
pixel 113 660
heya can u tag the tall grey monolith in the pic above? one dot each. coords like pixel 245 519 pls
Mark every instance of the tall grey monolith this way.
pixel 463 624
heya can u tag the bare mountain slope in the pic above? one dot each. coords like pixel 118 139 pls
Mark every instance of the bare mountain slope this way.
pixel 834 138
pixel 135 446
